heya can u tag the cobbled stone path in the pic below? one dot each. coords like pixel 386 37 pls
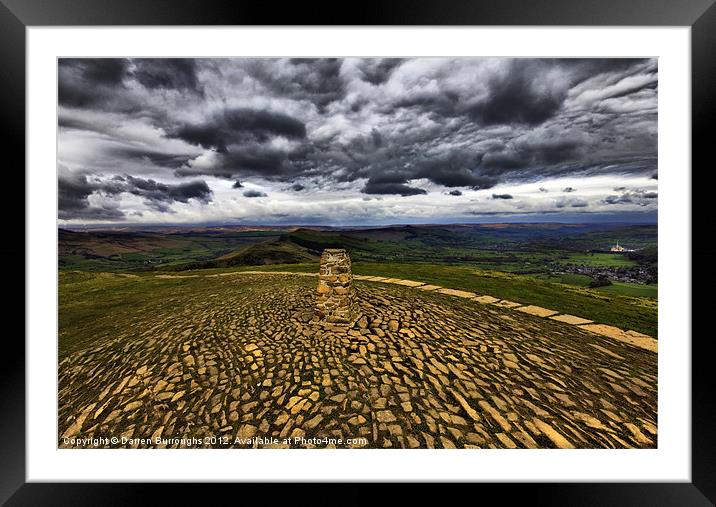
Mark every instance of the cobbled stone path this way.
pixel 241 357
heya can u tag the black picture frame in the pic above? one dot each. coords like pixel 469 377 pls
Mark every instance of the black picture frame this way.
pixel 17 15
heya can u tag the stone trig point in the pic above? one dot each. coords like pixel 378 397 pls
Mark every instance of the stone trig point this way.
pixel 335 295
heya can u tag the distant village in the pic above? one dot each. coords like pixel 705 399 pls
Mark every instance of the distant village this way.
pixel 630 274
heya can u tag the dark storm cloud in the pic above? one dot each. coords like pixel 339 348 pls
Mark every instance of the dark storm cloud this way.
pixel 159 195
pixel 391 188
pixel 519 97
pixel 501 196
pixel 530 154
pixel 90 82
pixel 391 182
pixel 455 168
pixel 74 191
pixel 523 93
pixel 254 193
pixel 313 79
pixel 168 74
pixel 160 159
pixel 100 213
pixel 377 71
pixel 73 123
pixel 234 126
pixel 101 83
pixel 250 160
pixel 378 126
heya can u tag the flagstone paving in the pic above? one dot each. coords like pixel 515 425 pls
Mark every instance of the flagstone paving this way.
pixel 241 356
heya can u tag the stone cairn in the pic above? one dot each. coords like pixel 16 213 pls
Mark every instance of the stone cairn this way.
pixel 335 295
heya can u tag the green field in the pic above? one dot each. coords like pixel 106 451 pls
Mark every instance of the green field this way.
pixel 599 259
pixel 632 289
pixel 567 279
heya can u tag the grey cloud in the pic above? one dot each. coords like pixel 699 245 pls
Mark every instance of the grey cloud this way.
pixel 571 203
pixel 249 160
pixel 158 158
pixel 90 82
pixel 254 193
pixel 501 196
pixel 312 79
pixel 519 96
pixel 74 190
pixel 160 195
pixel 534 155
pixel 377 71
pixel 618 199
pixel 454 168
pixel 239 125
pixel 637 196
pixel 372 187
pixel 168 73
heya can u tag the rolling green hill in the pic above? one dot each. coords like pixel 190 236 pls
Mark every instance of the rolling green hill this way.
pixel 276 251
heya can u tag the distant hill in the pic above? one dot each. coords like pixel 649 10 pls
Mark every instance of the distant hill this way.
pixel 108 244
pixel 275 251
pixel 525 248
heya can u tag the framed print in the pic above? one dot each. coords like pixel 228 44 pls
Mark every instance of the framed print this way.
pixel 422 247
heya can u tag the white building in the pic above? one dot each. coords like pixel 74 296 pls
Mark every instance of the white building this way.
pixel 618 248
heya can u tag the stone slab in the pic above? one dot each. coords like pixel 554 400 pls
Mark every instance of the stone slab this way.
pixel 458 293
pixel 506 304
pixel 631 337
pixel 409 283
pixel 536 310
pixel 429 287
pixel 571 319
pixel 486 299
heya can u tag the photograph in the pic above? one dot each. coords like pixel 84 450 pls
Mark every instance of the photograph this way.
pixel 357 253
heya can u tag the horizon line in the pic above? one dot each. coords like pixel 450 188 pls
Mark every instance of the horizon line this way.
pixel 373 225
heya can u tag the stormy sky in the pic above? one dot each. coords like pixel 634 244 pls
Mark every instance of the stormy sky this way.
pixel 356 141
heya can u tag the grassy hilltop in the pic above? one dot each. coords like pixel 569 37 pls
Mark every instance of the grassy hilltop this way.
pixel 542 264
